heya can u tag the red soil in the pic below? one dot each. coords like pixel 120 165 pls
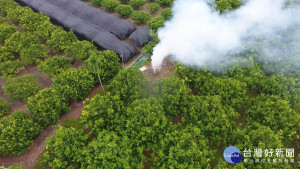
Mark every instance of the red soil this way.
pixel 148 154
pixel 43 80
pixel 96 89
pixel 76 64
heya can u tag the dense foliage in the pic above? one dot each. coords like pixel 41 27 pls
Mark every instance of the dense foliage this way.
pixel 227 5
pixel 16 133
pixel 256 136
pixel 28 46
pixel 124 10
pixel 109 150
pixel 156 22
pixel 54 66
pixel 74 83
pixel 137 3
pixel 46 106
pixel 216 121
pixel 6 31
pixel 4 107
pixel 274 113
pixel 153 8
pixel 175 126
pixel 10 68
pixel 2 20
pixel 7 5
pixel 13 14
pixel 96 2
pixel 140 16
pixel 174 94
pixel 21 41
pixel 31 22
pixel 145 132
pixel 104 64
pixel 37 23
pixel 164 2
pixel 166 13
pixel 81 49
pixel 103 112
pixel 182 149
pixel 128 85
pixel 124 1
pixel 5 54
pixel 64 148
pixel 110 4
pixel 33 54
pixel 21 87
pixel 61 40
pixel 205 83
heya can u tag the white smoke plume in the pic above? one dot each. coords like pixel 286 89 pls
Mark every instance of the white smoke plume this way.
pixel 199 35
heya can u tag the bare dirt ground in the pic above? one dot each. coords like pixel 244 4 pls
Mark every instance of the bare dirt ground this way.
pixel 167 70
pixel 30 157
pixel 148 154
pixel 96 89
pixel 42 79
pixel 76 64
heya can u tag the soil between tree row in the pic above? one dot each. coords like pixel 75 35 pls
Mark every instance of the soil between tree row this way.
pixel 29 158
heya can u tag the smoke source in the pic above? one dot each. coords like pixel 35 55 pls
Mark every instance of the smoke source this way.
pixel 199 35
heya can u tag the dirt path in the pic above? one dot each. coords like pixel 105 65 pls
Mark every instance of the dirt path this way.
pixel 95 90
pixel 30 157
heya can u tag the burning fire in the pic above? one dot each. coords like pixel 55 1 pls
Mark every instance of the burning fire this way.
pixel 155 71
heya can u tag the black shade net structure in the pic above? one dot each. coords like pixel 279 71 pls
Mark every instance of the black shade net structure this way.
pixel 89 23
pixel 140 36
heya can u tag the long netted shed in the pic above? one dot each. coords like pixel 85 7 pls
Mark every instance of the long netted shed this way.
pixel 104 29
pixel 140 36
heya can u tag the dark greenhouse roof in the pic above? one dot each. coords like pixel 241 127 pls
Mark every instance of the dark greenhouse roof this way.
pixel 104 29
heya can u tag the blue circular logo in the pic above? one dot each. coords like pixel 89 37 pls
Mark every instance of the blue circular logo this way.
pixel 232 155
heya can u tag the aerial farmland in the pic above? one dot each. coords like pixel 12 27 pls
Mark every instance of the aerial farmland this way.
pixel 140 84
